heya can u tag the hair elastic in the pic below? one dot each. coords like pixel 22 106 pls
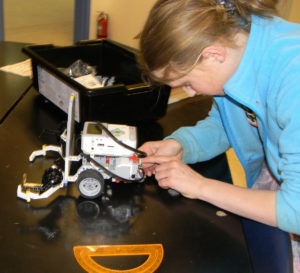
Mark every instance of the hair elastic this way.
pixel 228 5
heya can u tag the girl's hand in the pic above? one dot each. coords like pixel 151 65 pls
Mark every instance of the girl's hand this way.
pixel 172 173
pixel 169 147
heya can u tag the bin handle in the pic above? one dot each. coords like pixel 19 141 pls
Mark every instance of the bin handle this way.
pixel 133 87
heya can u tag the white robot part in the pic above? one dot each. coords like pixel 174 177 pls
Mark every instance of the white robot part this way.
pixel 108 151
pixel 96 141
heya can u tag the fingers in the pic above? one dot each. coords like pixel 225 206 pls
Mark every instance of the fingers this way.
pixel 164 169
pixel 150 148
pixel 167 173
pixel 169 147
pixel 149 169
pixel 152 164
pixel 157 159
pixel 171 173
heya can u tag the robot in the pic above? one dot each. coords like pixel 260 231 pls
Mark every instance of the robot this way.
pixel 108 152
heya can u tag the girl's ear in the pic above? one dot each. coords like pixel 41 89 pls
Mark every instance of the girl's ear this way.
pixel 218 53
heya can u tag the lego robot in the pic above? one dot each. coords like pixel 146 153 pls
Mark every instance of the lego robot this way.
pixel 108 152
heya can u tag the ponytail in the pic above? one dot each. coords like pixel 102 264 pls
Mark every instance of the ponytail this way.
pixel 263 8
pixel 176 31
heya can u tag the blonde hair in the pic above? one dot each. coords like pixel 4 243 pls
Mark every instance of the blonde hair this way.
pixel 176 31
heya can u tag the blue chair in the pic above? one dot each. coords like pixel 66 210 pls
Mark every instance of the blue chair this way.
pixel 269 248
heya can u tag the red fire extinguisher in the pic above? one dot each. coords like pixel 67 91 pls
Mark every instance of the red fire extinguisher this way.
pixel 102 24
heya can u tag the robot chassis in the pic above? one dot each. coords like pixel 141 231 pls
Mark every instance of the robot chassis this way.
pixel 108 152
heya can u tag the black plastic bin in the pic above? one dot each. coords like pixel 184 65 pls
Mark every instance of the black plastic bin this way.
pixel 128 100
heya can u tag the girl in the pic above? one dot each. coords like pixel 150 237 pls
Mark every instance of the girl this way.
pixel 248 59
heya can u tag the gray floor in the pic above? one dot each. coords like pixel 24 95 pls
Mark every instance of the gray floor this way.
pixel 39 21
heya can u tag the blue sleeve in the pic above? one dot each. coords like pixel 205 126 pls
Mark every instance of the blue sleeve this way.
pixel 203 141
pixel 288 113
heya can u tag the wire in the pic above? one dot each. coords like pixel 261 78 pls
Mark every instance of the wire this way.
pixel 107 171
pixel 138 152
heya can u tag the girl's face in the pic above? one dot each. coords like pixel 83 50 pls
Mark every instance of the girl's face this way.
pixel 206 78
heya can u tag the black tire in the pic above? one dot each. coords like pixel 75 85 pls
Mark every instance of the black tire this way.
pixel 90 184
pixel 52 176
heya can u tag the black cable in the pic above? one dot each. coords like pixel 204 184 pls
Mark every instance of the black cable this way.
pixel 139 152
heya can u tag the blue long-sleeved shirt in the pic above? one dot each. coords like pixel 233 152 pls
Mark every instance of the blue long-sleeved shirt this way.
pixel 267 81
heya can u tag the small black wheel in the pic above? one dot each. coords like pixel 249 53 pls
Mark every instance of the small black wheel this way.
pixel 90 184
pixel 52 176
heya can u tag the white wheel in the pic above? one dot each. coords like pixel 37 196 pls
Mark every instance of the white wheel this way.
pixel 90 184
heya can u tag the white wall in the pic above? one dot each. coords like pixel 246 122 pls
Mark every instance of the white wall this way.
pixel 284 7
pixel 126 18
pixel 294 14
pixel 290 9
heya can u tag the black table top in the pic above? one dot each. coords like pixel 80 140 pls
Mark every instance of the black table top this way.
pixel 40 236
pixel 12 87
